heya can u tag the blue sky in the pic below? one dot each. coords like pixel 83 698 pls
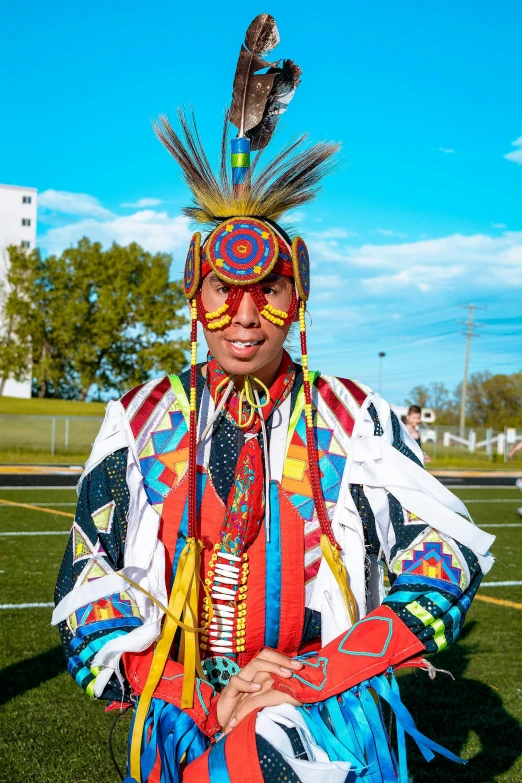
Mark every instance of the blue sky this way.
pixel 423 214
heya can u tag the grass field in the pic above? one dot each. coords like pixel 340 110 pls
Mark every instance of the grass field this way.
pixel 49 407
pixel 51 732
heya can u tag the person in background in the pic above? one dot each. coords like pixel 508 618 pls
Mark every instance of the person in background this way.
pixel 413 419
pixel 517 447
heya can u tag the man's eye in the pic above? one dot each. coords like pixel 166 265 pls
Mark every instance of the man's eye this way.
pixel 223 289
pixel 268 290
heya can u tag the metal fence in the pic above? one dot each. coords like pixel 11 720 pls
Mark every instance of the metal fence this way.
pixel 48 434
pixel 75 435
pixel 442 441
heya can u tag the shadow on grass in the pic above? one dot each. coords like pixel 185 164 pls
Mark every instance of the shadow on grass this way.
pixel 30 673
pixel 447 711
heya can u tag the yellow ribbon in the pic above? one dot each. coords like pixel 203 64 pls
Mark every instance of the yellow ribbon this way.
pixel 183 602
pixel 333 558
pixel 247 392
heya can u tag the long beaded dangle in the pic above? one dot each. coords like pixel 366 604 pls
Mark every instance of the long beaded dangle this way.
pixel 329 546
pixel 192 420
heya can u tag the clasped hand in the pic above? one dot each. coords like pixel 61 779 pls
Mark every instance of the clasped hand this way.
pixel 251 689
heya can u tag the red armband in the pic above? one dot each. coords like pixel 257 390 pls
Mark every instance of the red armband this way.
pixel 373 644
pixel 169 688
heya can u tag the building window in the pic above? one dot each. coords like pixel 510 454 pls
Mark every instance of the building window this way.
pixel 26 221
pixel 26 199
pixel 25 244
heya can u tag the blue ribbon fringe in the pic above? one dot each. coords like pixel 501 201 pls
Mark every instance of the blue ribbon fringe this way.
pixel 351 728
pixel 172 733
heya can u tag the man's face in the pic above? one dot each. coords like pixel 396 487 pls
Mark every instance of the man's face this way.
pixel 413 419
pixel 249 342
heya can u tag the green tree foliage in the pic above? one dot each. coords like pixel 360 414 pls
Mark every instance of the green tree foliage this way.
pixel 419 395
pixel 493 401
pixel 91 317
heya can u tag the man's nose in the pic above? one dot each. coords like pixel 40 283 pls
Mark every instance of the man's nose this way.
pixel 247 313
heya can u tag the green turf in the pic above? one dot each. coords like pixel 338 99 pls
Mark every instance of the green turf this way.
pixel 48 407
pixel 51 732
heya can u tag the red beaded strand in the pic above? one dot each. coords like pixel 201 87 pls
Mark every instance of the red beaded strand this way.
pixel 192 516
pixel 313 459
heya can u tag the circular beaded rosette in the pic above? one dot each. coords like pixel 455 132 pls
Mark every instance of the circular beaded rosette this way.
pixel 301 264
pixel 242 250
pixel 219 669
pixel 192 267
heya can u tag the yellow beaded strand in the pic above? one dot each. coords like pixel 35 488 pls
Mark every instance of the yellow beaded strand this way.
pixel 217 313
pixel 218 324
pixel 304 360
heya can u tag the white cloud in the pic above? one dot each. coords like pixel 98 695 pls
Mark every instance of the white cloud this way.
pixel 154 231
pixel 333 233
pixel 424 278
pixel 479 260
pixel 516 155
pixel 142 203
pixel 386 232
pixel 498 225
pixel 72 203
pixel 446 150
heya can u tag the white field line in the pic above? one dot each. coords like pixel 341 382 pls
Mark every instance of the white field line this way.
pixel 473 500
pixel 37 533
pixel 481 486
pixel 503 524
pixel 501 584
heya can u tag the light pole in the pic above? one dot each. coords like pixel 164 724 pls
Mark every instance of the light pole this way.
pixel 381 357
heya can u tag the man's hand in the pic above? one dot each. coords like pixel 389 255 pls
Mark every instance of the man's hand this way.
pixel 254 701
pixel 254 679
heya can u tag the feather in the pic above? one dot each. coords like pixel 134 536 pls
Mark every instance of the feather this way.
pixel 251 89
pixel 291 179
pixel 284 85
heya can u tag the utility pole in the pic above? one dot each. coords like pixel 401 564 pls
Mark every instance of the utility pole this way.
pixel 469 334
pixel 381 357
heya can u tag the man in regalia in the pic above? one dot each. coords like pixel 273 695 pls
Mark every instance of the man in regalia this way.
pixel 224 574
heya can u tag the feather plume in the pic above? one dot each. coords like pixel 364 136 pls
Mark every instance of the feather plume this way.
pixel 284 85
pixel 290 179
pixel 251 89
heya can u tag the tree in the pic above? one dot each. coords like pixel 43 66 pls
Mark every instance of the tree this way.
pixel 93 317
pixel 493 400
pixel 418 396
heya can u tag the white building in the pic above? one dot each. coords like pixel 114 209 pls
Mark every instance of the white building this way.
pixel 17 227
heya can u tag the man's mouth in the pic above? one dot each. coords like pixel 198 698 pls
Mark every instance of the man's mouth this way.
pixel 244 349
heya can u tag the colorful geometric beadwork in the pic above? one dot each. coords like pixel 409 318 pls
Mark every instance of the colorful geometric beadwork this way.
pixel 242 250
pixel 412 519
pixel 301 263
pixel 81 546
pixel 93 570
pixel 192 267
pixel 164 456
pixel 296 482
pixel 112 607
pixel 103 517
pixel 432 557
